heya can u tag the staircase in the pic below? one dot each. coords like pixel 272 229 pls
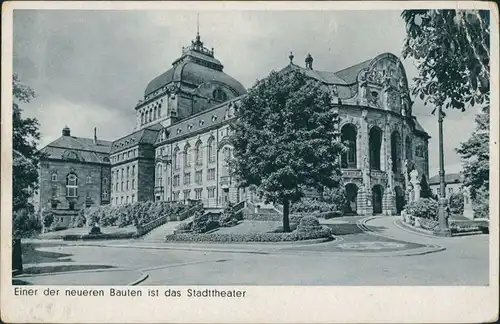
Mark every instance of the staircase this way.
pixel 158 234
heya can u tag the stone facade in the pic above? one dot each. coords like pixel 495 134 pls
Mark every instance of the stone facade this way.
pixel 180 149
pixel 74 173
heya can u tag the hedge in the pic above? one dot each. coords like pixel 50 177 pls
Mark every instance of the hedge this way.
pixel 112 236
pixel 323 232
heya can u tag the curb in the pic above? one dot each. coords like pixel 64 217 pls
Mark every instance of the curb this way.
pixel 143 277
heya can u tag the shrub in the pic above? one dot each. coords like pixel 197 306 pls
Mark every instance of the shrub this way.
pixel 47 218
pixel 228 217
pixel 336 198
pixel 184 227
pixel 25 223
pixel 203 223
pixel 481 204
pixel 456 203
pixel 423 208
pixel 322 232
pixel 95 230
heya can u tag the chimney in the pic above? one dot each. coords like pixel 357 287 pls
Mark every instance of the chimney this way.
pixel 309 62
pixel 95 135
pixel 66 131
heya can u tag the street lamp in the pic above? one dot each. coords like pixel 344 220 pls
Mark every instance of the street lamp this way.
pixel 443 229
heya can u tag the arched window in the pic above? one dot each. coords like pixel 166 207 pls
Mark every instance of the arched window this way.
pixel 211 150
pixel 89 179
pixel 72 185
pixel 187 156
pixel 198 153
pixel 54 177
pixel 175 159
pixel 219 95
pixel 409 149
pixel 159 175
pixel 396 152
pixel 154 114
pixel 375 146
pixel 142 118
pixel 348 137
pixel 150 115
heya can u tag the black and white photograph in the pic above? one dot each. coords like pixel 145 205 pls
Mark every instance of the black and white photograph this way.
pixel 220 149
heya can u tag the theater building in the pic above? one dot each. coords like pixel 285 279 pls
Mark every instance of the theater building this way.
pixel 179 149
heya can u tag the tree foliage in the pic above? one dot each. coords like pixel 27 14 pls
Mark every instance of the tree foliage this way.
pixel 284 139
pixel 475 155
pixel 25 155
pixel 452 52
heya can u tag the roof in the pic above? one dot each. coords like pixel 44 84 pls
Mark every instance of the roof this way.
pixel 144 136
pixel 419 128
pixel 198 122
pixel 322 76
pixel 350 74
pixel 448 178
pixel 84 148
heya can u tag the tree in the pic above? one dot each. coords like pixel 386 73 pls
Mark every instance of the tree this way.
pixel 25 154
pixel 475 155
pixel 285 139
pixel 452 52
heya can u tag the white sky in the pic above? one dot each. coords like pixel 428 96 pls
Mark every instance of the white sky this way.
pixel 89 68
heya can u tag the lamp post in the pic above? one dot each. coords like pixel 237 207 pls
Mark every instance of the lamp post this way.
pixel 444 229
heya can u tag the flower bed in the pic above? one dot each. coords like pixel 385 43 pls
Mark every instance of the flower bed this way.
pixel 465 226
pixel 297 235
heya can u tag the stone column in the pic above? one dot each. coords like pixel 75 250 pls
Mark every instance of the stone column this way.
pixel 389 198
pixel 363 201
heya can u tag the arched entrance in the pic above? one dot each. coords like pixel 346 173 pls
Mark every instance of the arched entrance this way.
pixel 351 194
pixel 375 143
pixel 400 199
pixel 377 192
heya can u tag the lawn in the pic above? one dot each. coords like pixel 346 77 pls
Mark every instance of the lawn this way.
pixel 249 226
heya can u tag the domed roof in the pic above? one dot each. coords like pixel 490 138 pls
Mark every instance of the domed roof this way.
pixel 197 65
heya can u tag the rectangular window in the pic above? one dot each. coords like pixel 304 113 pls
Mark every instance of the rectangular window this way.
pixel 128 172
pixel 211 192
pixel 187 194
pixel 133 183
pixel 122 172
pixel 105 195
pixel 121 200
pixel 133 198
pixel 175 196
pixel 133 170
pixel 211 174
pixel 121 186
pixel 198 193
pixel 187 178
pixel 126 199
pixel 198 177
pixel 176 180
pixel 127 184
pixel 450 190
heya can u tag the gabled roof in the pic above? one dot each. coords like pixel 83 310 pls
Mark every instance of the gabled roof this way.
pixel 448 178
pixel 84 148
pixel 143 136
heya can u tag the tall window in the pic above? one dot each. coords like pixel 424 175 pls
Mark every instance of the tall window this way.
pixel 133 170
pixel 211 174
pixel 159 175
pixel 409 148
pixel 187 156
pixel 133 183
pixel 128 172
pixel 198 154
pixel 142 118
pixel 375 146
pixel 89 179
pixel 211 150
pixel 187 178
pixel 175 159
pixel 198 193
pixel 154 116
pixel 396 152
pixel 348 137
pixel 54 177
pixel 198 176
pixel 105 194
pixel 72 185
pixel 150 115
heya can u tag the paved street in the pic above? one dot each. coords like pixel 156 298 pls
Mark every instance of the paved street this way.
pixel 395 258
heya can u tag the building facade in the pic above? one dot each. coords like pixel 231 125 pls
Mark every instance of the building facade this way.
pixel 180 149
pixel 453 183
pixel 74 173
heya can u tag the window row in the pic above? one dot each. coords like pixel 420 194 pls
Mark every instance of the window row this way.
pixel 125 155
pixel 150 115
pixel 186 194
pixel 123 186
pixel 123 173
pixel 72 188
pixel 198 178
pixel 88 179
pixel 124 200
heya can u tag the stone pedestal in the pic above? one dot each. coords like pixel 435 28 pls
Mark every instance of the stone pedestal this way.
pixel 389 203
pixel 468 211
pixel 443 229
pixel 363 202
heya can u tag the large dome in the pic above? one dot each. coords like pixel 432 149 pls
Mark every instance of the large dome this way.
pixel 196 66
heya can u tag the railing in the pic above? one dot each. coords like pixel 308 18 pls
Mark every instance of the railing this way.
pixel 239 206
pixel 352 173
pixel 148 227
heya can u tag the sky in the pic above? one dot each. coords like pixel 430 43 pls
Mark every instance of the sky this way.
pixel 90 68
